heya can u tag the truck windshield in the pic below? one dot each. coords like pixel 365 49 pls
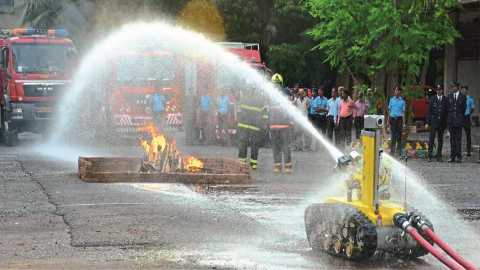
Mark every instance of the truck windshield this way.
pixel 42 58
pixel 143 70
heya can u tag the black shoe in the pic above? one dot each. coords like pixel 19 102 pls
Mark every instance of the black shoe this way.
pixel 451 160
pixel 469 154
pixel 430 160
pixel 439 159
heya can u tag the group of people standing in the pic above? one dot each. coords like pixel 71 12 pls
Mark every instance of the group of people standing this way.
pixel 454 112
pixel 337 117
pixel 334 117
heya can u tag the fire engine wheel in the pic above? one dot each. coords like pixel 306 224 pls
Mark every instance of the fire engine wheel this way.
pixel 9 137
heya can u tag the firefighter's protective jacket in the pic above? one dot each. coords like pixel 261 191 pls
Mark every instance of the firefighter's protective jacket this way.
pixel 278 117
pixel 252 114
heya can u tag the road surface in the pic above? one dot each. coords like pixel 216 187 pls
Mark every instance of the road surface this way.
pixel 49 219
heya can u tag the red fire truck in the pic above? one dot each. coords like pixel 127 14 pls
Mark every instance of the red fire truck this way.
pixel 35 69
pixel 136 78
pixel 135 81
pixel 248 52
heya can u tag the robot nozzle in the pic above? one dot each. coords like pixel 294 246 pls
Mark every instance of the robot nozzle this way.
pixel 346 160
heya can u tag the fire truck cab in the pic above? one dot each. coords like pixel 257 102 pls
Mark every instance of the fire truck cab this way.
pixel 35 69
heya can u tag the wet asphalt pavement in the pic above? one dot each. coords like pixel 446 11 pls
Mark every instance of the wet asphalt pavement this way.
pixel 49 219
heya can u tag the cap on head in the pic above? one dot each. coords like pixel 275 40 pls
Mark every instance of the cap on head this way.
pixel 454 84
pixel 277 78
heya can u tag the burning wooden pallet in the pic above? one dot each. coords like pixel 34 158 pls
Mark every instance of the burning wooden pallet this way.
pixel 130 169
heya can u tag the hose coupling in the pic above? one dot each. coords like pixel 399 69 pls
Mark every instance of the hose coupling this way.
pixel 401 221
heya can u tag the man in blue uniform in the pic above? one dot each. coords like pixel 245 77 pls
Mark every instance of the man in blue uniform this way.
pixel 396 113
pixel 319 110
pixel 223 108
pixel 333 107
pixel 204 119
pixel 158 109
pixel 468 119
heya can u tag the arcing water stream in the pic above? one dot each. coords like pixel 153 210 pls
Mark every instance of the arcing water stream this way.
pixel 159 36
pixel 143 36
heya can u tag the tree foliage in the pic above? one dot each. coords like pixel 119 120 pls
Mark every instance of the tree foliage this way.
pixel 278 25
pixel 364 37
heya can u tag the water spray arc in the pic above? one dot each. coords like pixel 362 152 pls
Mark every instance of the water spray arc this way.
pixel 194 46
pixel 182 43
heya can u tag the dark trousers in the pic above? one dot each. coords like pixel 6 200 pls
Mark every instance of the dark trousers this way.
pixel 455 143
pixel 159 120
pixel 281 145
pixel 321 123
pixel 358 122
pixel 345 131
pixel 468 132
pixel 331 128
pixel 396 125
pixel 308 137
pixel 249 138
pixel 206 127
pixel 431 141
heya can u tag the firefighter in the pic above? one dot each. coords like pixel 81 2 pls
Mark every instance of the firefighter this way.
pixel 251 126
pixel 280 130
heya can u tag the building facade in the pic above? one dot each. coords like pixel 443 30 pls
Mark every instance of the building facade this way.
pixel 462 59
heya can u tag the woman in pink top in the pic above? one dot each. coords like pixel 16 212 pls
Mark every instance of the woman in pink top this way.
pixel 361 109
pixel 347 107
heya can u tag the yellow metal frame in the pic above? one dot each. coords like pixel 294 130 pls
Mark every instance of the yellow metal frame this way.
pixel 368 184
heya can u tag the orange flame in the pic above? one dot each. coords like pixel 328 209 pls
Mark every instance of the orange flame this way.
pixel 193 164
pixel 154 150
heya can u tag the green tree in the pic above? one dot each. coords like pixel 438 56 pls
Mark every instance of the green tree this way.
pixel 41 13
pixel 395 36
pixel 280 27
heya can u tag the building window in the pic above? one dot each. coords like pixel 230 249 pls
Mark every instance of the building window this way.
pixel 6 6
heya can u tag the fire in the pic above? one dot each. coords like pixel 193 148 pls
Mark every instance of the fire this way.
pixel 153 148
pixel 162 154
pixel 193 164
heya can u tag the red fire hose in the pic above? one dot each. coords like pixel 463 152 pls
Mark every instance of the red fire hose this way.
pixel 449 250
pixel 435 252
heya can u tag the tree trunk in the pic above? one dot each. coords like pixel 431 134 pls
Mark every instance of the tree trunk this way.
pixel 424 71
pixel 265 12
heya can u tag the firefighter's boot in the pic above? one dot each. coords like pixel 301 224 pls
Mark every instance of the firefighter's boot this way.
pixel 288 168
pixel 277 168
pixel 253 164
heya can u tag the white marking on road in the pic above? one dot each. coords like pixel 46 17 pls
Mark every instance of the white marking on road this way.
pixel 103 204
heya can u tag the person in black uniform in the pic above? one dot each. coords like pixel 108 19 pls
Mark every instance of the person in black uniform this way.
pixel 437 121
pixel 456 106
